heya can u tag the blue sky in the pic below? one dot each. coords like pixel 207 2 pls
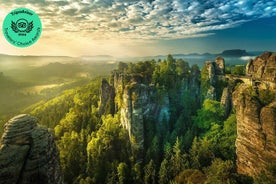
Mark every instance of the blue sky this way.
pixel 147 27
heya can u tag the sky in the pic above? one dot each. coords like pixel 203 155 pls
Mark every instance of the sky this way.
pixel 131 28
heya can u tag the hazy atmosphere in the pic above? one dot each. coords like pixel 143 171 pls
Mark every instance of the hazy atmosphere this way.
pixel 138 92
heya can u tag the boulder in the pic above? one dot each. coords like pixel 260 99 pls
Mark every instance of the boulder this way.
pixel 28 153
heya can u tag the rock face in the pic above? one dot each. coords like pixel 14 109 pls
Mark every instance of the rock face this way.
pixel 107 105
pixel 216 72
pixel 138 102
pixel 226 100
pixel 263 67
pixel 138 105
pixel 135 100
pixel 220 66
pixel 28 153
pixel 256 120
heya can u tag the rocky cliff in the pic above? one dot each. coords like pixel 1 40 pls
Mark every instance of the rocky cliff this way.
pixel 138 105
pixel 138 101
pixel 135 101
pixel 107 105
pixel 263 67
pixel 216 71
pixel 256 118
pixel 28 153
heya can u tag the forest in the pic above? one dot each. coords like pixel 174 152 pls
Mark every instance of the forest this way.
pixel 195 144
pixel 27 80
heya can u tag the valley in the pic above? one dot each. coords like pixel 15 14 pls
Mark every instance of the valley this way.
pixel 151 121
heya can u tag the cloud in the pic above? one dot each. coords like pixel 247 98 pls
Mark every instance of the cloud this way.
pixel 145 19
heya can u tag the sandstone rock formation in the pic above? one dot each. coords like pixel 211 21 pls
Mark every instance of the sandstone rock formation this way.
pixel 256 118
pixel 107 105
pixel 216 71
pixel 220 65
pixel 138 105
pixel 226 100
pixel 263 67
pixel 28 153
pixel 137 101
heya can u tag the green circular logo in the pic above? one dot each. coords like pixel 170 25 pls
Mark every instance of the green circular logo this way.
pixel 22 27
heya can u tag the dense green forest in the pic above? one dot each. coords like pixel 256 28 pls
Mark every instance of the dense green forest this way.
pixel 192 142
pixel 196 145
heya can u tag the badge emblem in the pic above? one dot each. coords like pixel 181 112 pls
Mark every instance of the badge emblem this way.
pixel 22 27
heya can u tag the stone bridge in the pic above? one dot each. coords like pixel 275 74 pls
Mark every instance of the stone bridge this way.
pixel 253 82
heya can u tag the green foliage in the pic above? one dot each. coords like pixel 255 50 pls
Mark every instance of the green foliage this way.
pixel 164 174
pixel 123 175
pixel 223 138
pixel 201 153
pixel 190 176
pixel 137 174
pixel 266 96
pixel 78 101
pixel 98 149
pixel 205 81
pixel 142 70
pixel 268 176
pixel 219 171
pixel 28 81
pixel 150 173
pixel 165 74
pixel 71 155
pixel 182 68
pixel 154 150
pixel 122 66
pixel 179 161
pixel 102 149
pixel 228 69
pixel 211 113
pixel 242 179
pixel 238 70
pixel 227 142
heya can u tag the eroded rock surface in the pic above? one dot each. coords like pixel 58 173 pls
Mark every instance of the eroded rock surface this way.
pixel 216 75
pixel 107 105
pixel 256 131
pixel 28 153
pixel 263 67
pixel 137 101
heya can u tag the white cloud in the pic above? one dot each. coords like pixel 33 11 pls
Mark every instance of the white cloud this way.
pixel 155 19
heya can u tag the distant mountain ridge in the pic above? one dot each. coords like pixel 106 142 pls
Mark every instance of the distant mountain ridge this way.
pixel 235 52
pixel 227 53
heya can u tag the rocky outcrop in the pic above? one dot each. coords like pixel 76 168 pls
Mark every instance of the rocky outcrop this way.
pixel 219 66
pixel 256 129
pixel 28 153
pixel 135 100
pixel 215 68
pixel 226 101
pixel 255 106
pixel 216 71
pixel 138 105
pixel 138 102
pixel 107 105
pixel 263 67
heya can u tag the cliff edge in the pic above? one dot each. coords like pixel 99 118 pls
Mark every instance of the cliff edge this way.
pixel 256 118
